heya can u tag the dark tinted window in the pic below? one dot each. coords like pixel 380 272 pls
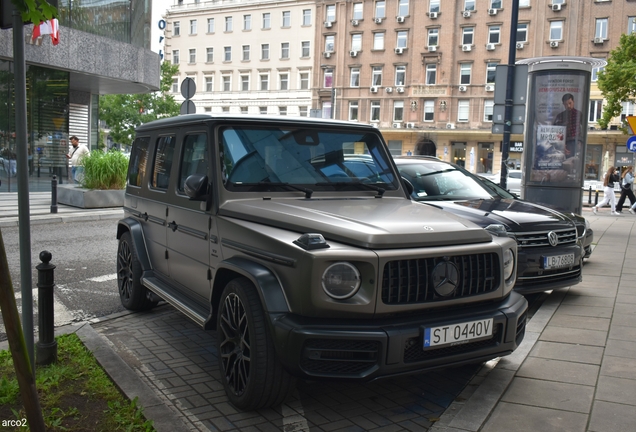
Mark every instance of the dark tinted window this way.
pixel 138 161
pixel 163 162
pixel 194 159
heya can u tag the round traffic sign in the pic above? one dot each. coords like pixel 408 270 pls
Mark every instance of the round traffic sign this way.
pixel 188 87
pixel 631 143
pixel 187 107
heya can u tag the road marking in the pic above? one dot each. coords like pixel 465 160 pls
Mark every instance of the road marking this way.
pixel 294 419
pixel 104 278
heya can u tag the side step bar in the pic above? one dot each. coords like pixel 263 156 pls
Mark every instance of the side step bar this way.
pixel 191 309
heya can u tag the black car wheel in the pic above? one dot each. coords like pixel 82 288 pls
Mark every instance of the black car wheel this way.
pixel 250 371
pixel 133 295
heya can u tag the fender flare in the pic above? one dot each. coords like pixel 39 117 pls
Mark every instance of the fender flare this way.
pixel 139 242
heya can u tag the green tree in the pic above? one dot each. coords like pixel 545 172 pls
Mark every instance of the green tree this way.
pixel 35 10
pixel 124 112
pixel 618 80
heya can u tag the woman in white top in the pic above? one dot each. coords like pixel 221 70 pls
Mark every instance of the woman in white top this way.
pixel 608 189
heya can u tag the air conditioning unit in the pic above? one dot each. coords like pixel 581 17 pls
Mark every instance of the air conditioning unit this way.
pixel 399 89
pixel 375 125
pixel 378 20
pixel 432 48
pixel 328 24
pixel 554 44
pixel 492 11
pixel 397 125
pixel 399 50
pixel 400 19
pixel 466 47
pixel 556 7
pixel 463 88
pixel 466 14
pixel 599 40
pixel 373 89
pixel 490 47
pixel 353 53
pixel 388 89
pixel 432 15
pixel 410 125
pixel 520 45
pixel 490 88
pixel 327 54
pixel 450 125
pixel 355 23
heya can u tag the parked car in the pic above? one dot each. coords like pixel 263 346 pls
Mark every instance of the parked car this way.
pixel 551 244
pixel 254 226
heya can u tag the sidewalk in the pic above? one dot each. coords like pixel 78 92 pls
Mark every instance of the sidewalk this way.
pixel 575 370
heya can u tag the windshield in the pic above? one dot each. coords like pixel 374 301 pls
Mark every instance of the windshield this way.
pixel 275 158
pixel 435 181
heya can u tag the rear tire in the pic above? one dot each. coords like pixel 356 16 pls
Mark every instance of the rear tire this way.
pixel 133 295
pixel 251 374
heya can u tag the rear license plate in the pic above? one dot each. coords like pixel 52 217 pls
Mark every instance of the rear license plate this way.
pixel 456 333
pixel 558 261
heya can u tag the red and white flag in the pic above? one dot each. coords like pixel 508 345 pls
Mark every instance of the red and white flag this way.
pixel 51 27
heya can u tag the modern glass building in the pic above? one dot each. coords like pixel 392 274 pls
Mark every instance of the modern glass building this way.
pixel 104 48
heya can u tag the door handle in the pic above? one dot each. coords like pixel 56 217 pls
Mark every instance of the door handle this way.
pixel 173 226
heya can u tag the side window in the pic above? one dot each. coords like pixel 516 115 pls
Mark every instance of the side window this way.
pixel 163 162
pixel 138 160
pixel 195 158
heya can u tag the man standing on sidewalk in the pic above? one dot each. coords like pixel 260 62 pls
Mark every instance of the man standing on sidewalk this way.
pixel 79 151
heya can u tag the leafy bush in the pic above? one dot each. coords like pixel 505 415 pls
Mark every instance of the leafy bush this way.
pixel 105 170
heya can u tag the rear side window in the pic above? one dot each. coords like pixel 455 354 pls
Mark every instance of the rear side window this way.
pixel 163 162
pixel 195 158
pixel 138 160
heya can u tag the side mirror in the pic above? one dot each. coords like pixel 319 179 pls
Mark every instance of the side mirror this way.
pixel 196 187
pixel 408 186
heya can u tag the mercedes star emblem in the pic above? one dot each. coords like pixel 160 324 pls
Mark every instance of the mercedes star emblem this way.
pixel 445 278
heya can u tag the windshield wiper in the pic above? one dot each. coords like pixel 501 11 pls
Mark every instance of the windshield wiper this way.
pixel 308 192
pixel 378 189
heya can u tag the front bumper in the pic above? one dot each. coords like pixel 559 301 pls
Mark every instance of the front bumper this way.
pixel 533 278
pixel 366 350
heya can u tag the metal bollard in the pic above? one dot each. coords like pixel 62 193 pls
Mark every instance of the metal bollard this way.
pixel 46 352
pixel 596 198
pixel 589 197
pixel 54 194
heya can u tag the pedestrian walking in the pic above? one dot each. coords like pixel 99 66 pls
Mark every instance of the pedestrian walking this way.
pixel 610 178
pixel 627 180
pixel 79 151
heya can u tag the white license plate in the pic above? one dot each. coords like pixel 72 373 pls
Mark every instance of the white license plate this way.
pixel 558 261
pixel 456 333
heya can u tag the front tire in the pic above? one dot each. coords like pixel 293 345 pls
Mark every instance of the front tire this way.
pixel 251 373
pixel 133 295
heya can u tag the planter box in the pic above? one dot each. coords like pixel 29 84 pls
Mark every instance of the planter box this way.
pixel 76 196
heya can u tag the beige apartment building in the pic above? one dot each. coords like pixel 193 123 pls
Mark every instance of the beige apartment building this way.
pixel 422 71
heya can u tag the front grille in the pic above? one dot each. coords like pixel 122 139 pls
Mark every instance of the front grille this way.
pixel 530 279
pixel 410 281
pixel 338 356
pixel 520 331
pixel 540 238
pixel 414 351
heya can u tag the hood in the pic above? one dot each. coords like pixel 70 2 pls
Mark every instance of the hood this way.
pixel 516 215
pixel 374 223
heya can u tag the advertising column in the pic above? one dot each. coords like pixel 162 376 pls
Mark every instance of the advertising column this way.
pixel 556 130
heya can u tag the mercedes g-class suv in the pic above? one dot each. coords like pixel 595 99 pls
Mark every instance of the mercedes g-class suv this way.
pixel 307 266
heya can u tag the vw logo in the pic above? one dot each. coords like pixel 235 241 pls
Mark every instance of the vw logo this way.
pixel 445 278
pixel 553 238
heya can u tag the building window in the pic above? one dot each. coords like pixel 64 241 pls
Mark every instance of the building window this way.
pixel 330 43
pixel 398 111
pixel 558 1
pixel 595 72
pixel 244 110
pixel 175 56
pixel 247 22
pixel 403 7
pixel 495 4
pixel 264 78
pixel 462 111
pixel 357 11
pixel 330 13
pixel 468 35
pixel 601 28
pixel 209 55
pixel 469 5
pixel 226 109
pixel 210 25
pixel 375 111
pixel 209 83
pixel 227 83
pixel 488 110
pixel 433 37
pixel 284 50
pixel 378 41
pixel 401 39
pixel 192 56
pixel 429 110
pixel 245 83
pixel 494 34
pixel 262 110
pixel 400 75
pixel 464 73
pixel 355 77
pixel 176 28
pixel 491 72
pixel 228 24
pixel 175 85
pixel 376 76
pixel 431 74
pixel 246 53
pixel 395 147
pixel 327 81
pixel 227 53
pixel 524 3
pixel 267 21
pixel 380 9
pixel 286 19
pixel 326 110
pixel 306 17
pixel 283 81
pixel 207 109
pixel 302 111
pixel 434 6
pixel 282 110
pixel 596 110
pixel 305 49
pixel 485 157
pixel 556 30
pixel 304 81
pixel 631 25
pixel 522 32
pixel 356 42
pixel 193 27
pixel 264 51
pixel 353 111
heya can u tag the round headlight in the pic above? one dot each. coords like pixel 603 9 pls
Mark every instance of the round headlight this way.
pixel 341 280
pixel 508 263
